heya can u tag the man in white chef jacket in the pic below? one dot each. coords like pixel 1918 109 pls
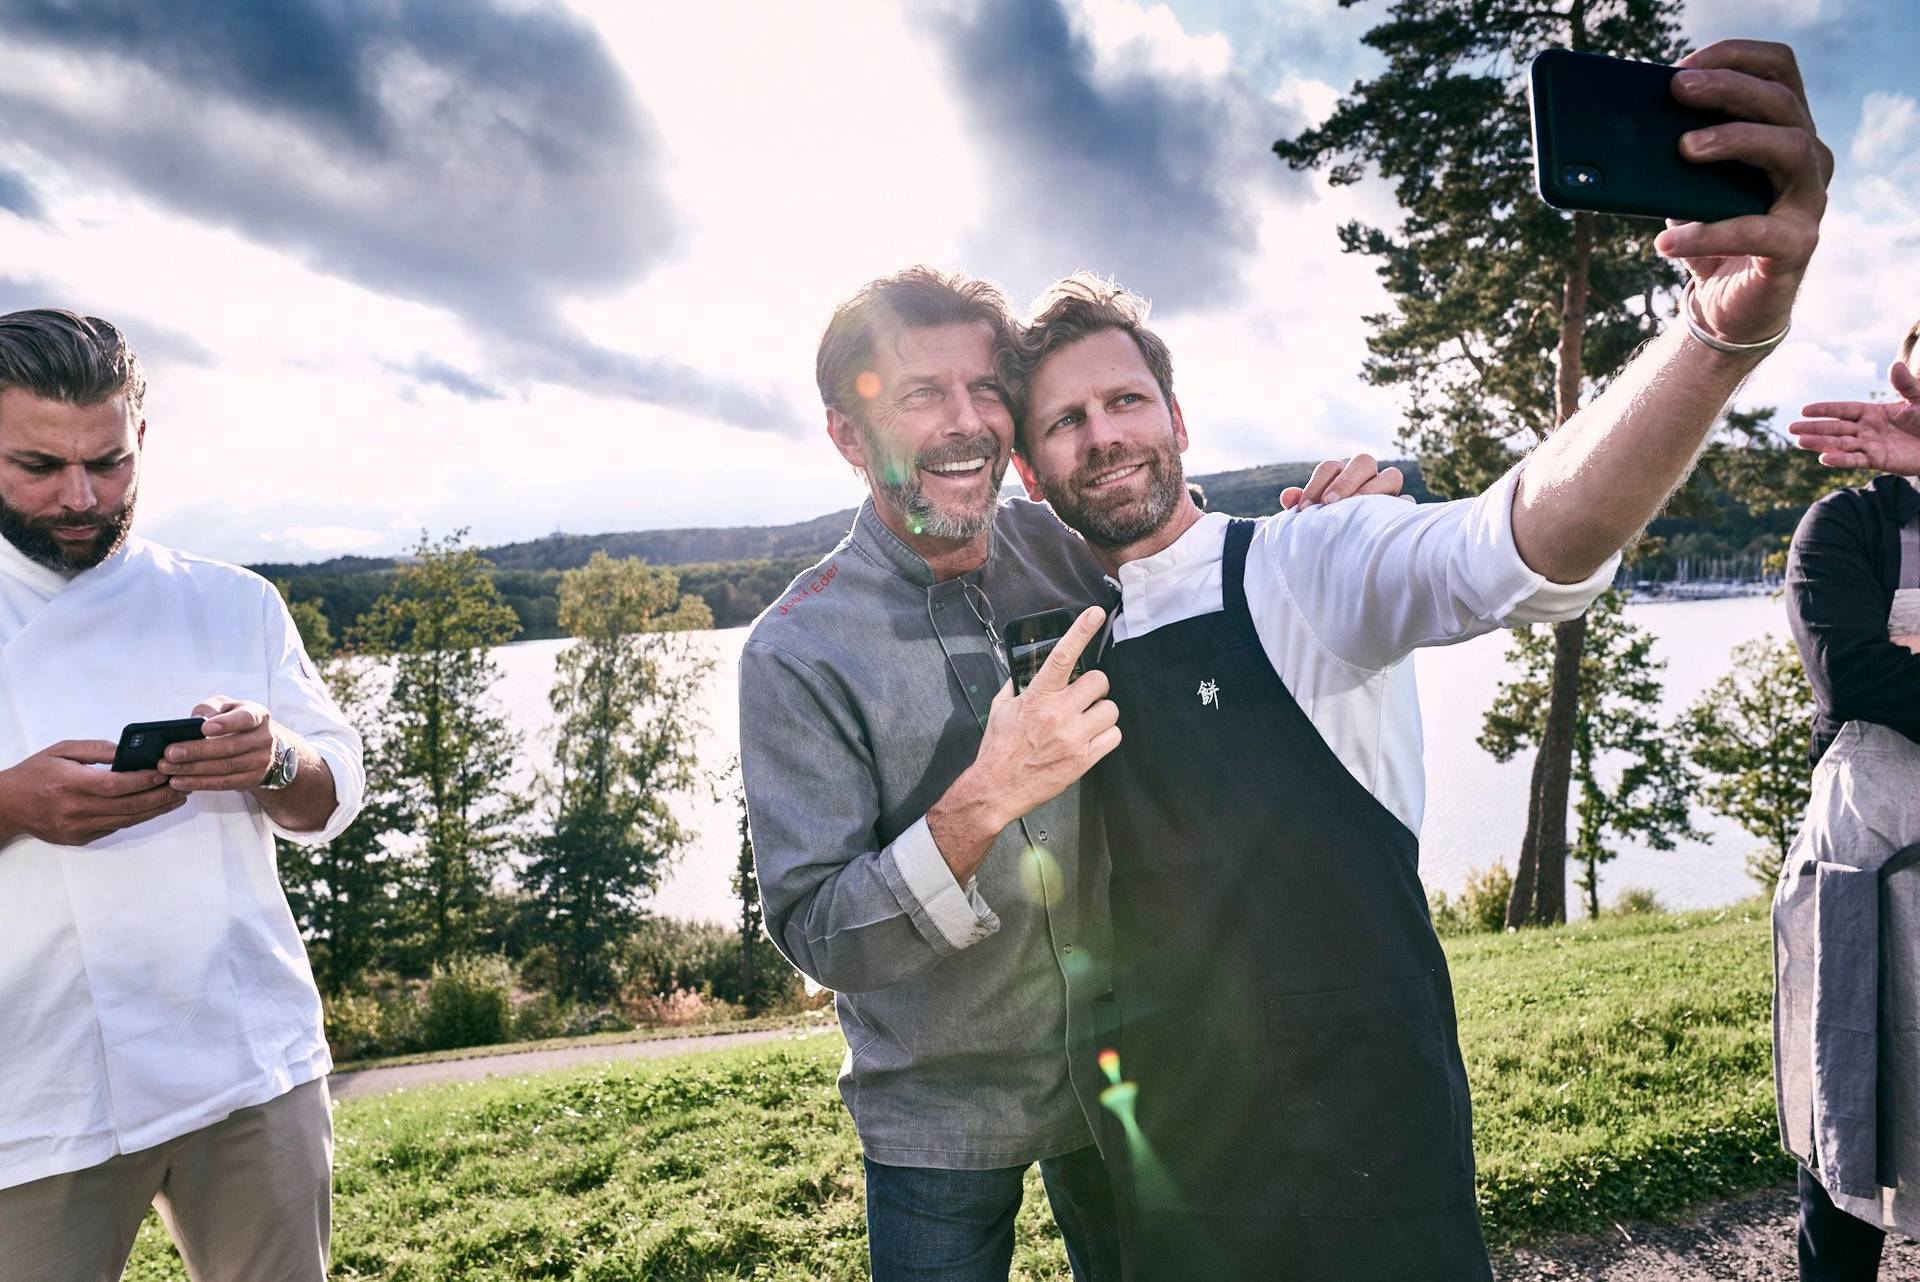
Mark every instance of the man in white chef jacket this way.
pixel 160 1033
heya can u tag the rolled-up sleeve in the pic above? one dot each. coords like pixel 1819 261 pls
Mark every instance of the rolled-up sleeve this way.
pixel 1379 578
pixel 299 700
pixel 854 913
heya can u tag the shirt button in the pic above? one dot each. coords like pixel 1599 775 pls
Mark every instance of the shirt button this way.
pixel 1043 834
pixel 1066 949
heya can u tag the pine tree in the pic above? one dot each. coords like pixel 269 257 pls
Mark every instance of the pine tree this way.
pixel 1614 713
pixel 625 697
pixel 1750 735
pixel 1506 311
pixel 445 751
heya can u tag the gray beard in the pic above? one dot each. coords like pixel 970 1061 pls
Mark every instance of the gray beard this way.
pixel 924 517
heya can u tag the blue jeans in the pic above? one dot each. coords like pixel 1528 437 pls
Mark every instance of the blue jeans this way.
pixel 929 1225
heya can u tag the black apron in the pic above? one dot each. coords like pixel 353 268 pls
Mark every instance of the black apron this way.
pixel 1298 1107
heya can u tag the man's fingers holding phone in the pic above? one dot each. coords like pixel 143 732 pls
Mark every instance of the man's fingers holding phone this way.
pixel 1767 59
pixel 60 795
pixel 1057 670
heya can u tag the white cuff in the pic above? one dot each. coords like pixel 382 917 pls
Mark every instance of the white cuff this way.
pixel 346 795
pixel 1534 598
pixel 957 912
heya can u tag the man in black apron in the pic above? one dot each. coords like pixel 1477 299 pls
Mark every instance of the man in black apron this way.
pixel 1289 1099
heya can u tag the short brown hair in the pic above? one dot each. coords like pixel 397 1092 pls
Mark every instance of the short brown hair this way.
pixel 1072 308
pixel 64 356
pixel 1906 348
pixel 918 298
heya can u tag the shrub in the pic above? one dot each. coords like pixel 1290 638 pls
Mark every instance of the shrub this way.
pixel 469 1002
pixel 1480 907
pixel 679 1007
pixel 538 1017
pixel 662 956
pixel 581 1021
pixel 1637 901
pixel 353 1026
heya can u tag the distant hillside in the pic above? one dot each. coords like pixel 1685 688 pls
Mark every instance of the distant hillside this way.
pixel 1249 491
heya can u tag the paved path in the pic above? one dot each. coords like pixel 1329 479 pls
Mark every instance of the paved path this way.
pixel 377 1081
pixel 1750 1240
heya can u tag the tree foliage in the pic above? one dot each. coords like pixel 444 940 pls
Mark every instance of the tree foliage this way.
pixel 1616 719
pixel 439 770
pixel 1505 311
pixel 1749 735
pixel 624 696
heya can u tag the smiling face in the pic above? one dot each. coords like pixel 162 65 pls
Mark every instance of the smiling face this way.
pixel 1101 443
pixel 932 434
pixel 69 475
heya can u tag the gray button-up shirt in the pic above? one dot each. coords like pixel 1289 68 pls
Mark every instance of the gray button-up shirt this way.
pixel 863 691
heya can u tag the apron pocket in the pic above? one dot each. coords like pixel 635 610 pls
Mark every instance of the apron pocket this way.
pixel 1365 1088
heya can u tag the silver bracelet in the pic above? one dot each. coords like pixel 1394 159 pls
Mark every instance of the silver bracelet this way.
pixel 1695 328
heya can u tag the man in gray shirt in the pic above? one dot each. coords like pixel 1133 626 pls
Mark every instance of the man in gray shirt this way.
pixel 920 845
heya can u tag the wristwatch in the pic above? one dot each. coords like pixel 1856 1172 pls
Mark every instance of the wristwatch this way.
pixel 286 764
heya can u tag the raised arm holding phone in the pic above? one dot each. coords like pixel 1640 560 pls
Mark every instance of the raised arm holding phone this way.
pixel 1286 1027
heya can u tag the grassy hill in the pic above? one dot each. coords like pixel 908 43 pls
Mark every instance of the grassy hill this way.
pixel 1619 1069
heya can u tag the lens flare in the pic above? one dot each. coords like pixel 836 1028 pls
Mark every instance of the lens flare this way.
pixel 867 385
pixel 1040 876
pixel 1110 1065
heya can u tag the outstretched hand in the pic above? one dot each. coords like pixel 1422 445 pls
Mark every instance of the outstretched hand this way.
pixel 1883 435
pixel 1747 270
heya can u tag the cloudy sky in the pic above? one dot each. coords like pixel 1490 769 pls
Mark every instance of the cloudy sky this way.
pixel 508 265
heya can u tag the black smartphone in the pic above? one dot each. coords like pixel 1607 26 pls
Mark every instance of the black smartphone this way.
pixel 1031 638
pixel 142 743
pixel 1606 137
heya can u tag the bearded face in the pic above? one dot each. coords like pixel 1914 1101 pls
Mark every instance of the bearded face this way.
pixel 1119 496
pixel 69 544
pixel 946 490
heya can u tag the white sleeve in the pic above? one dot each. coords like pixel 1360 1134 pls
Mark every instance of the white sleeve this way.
pixel 299 700
pixel 1377 578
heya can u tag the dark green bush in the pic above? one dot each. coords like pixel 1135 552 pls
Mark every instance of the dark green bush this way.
pixel 469 1002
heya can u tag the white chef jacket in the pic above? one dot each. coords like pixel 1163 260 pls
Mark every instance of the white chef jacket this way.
pixel 1342 594
pixel 153 981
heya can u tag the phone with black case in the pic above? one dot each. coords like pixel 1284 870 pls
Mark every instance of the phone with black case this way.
pixel 1606 137
pixel 1031 638
pixel 142 743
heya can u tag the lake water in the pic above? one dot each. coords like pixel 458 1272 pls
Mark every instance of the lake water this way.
pixel 1476 807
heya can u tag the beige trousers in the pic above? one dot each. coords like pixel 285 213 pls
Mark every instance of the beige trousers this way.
pixel 245 1199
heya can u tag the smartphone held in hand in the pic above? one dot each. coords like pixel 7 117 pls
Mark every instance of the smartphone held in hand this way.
pixel 144 742
pixel 1606 138
pixel 1031 638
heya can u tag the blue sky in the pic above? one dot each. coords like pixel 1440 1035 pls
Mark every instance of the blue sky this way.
pixel 521 267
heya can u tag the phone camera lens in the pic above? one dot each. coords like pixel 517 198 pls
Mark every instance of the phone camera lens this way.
pixel 136 741
pixel 1581 176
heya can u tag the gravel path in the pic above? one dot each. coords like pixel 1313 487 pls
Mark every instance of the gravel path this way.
pixel 1750 1240
pixel 377 1081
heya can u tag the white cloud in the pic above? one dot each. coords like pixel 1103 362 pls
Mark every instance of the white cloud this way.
pixel 1126 36
pixel 1889 133
pixel 1313 99
pixel 328 540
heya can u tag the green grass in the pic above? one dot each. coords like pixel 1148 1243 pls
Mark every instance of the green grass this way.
pixel 1618 1070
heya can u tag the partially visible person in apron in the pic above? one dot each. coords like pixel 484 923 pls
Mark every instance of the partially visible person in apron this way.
pixel 1847 909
